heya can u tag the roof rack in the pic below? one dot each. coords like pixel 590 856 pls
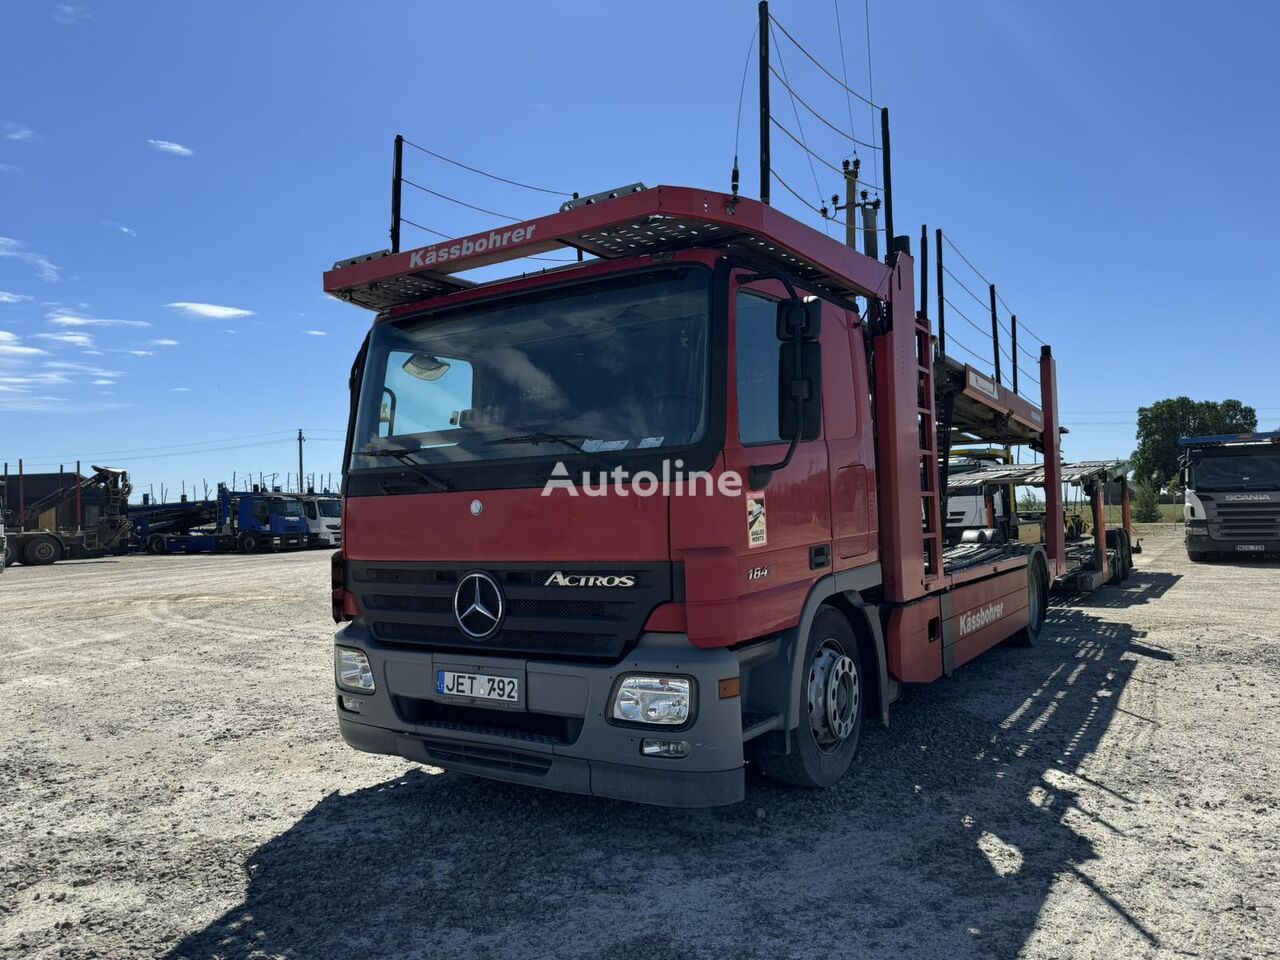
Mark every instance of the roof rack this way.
pixel 1230 438
pixel 1032 475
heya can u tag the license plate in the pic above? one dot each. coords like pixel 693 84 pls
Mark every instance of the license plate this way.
pixel 479 685
pixel 1250 547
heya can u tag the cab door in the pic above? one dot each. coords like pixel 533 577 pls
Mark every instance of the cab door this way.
pixel 784 543
pixel 846 416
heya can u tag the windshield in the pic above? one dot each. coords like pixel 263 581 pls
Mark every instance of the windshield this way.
pixel 620 364
pixel 1249 472
pixel 284 508
pixel 330 508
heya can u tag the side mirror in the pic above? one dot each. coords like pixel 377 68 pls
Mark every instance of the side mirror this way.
pixel 807 388
pixel 803 314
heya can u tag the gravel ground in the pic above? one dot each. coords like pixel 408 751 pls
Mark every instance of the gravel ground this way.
pixel 172 784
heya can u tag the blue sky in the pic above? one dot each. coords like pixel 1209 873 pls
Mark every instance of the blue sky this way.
pixel 1110 166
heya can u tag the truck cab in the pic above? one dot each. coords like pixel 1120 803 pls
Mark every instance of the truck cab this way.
pixel 264 520
pixel 324 519
pixel 619 527
pixel 1232 494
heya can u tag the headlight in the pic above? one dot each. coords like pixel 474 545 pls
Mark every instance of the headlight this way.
pixel 351 667
pixel 653 700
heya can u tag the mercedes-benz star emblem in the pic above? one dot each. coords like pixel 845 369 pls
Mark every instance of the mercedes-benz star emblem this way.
pixel 478 605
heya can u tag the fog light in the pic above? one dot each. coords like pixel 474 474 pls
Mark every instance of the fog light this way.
pixel 351 667
pixel 654 700
pixel 664 748
pixel 351 704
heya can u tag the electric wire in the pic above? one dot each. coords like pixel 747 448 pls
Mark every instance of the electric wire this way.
pixel 844 68
pixel 832 76
pixel 803 103
pixel 828 216
pixel 54 458
pixel 800 126
pixel 483 173
pixel 999 299
pixel 461 203
pixel 871 82
pixel 742 90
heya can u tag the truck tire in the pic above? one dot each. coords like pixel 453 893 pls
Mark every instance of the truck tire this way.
pixel 1118 544
pixel 1037 604
pixel 41 551
pixel 157 545
pixel 249 543
pixel 822 747
pixel 10 554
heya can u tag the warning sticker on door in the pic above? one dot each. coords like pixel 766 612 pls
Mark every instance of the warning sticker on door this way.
pixel 757 527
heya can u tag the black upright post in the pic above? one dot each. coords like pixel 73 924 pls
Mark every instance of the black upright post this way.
pixel 396 170
pixel 764 101
pixel 887 181
pixel 924 271
pixel 942 305
pixel 995 332
pixel 1013 330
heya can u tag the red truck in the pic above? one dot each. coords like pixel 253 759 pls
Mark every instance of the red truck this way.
pixel 520 594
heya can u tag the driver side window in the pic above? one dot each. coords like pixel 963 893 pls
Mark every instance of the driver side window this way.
pixel 757 362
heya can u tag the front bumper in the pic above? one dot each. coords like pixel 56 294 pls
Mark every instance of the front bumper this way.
pixel 1200 539
pixel 560 738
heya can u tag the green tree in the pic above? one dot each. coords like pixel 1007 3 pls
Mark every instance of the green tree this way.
pixel 1146 505
pixel 1029 502
pixel 1155 462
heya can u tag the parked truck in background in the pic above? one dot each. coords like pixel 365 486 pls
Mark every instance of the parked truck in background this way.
pixel 246 521
pixel 323 514
pixel 1232 494
pixel 29 543
pixel 644 647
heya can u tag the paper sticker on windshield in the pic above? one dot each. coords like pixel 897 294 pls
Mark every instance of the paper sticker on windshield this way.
pixel 650 442
pixel 757 530
pixel 598 446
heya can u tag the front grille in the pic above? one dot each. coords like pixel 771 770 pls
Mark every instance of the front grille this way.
pixel 1257 520
pixel 447 754
pixel 515 724
pixel 411 604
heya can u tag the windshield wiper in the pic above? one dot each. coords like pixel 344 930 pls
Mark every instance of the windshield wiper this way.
pixel 406 457
pixel 564 439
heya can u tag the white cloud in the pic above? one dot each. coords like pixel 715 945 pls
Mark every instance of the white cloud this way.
pixel 11 346
pixel 181 389
pixel 8 168
pixel 165 343
pixel 18 133
pixel 317 333
pixel 63 317
pixel 45 269
pixel 67 336
pixel 134 353
pixel 103 383
pixel 127 231
pixel 210 311
pixel 85 368
pixel 7 297
pixel 71 14
pixel 168 146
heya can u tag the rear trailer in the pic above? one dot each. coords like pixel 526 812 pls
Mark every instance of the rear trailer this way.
pixel 1232 495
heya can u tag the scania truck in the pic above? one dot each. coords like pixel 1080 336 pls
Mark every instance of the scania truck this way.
pixel 1232 500
pixel 621 527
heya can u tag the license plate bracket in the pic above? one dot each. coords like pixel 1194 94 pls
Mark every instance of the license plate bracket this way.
pixel 480 686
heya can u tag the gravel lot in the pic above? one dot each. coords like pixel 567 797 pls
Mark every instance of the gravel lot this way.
pixel 173 784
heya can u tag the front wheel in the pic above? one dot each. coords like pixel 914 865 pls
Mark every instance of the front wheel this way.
pixel 822 747
pixel 41 551
pixel 249 543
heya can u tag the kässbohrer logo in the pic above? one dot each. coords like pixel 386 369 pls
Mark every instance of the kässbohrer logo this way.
pixel 981 617
pixel 476 243
pixel 559 579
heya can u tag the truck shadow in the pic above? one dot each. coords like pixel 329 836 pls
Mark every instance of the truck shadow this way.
pixel 1142 586
pixel 950 833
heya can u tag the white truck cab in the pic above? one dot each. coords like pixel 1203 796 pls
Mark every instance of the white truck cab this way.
pixel 323 513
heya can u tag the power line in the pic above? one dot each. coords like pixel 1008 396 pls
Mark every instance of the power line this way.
pixel 833 77
pixel 53 458
pixel 833 219
pixel 461 203
pixel 871 83
pixel 999 299
pixel 800 126
pixel 844 67
pixel 803 103
pixel 491 176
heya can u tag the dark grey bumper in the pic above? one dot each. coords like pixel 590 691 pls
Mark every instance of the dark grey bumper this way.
pixel 600 758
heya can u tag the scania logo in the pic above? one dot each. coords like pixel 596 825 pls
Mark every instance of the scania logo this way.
pixel 478 605
pixel 1251 497
pixel 559 579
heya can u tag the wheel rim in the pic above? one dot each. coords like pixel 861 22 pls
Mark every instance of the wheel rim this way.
pixel 834 695
pixel 43 551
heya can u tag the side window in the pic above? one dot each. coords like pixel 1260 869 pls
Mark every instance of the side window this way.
pixel 757 362
pixel 310 508
pixel 260 511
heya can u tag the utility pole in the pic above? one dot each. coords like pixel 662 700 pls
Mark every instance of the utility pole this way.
pixel 301 439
